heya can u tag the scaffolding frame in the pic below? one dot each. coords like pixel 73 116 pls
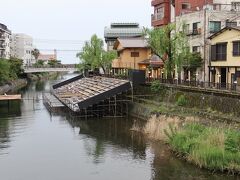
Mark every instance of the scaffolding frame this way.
pixel 113 107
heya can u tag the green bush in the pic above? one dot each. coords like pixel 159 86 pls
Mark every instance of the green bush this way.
pixel 181 101
pixel 156 87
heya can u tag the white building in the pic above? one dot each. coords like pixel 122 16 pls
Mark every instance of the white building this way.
pixel 21 48
pixel 200 25
pixel 5 37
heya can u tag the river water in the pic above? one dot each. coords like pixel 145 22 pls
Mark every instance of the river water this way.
pixel 37 145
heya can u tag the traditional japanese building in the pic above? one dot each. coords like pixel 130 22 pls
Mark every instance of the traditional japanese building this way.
pixel 121 30
pixel 135 54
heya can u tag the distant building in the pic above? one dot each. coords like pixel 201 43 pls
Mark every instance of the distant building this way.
pixel 5 38
pixel 134 53
pixel 121 30
pixel 48 57
pixel 21 48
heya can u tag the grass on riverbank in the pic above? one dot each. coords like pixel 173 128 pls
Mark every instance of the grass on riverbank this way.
pixel 211 148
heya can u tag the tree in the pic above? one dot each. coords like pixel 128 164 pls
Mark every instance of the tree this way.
pixel 4 71
pixel 94 56
pixel 52 63
pixel 39 63
pixel 170 45
pixel 35 53
pixel 15 67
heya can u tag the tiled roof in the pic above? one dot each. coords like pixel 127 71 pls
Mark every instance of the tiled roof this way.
pixel 122 32
pixel 222 30
pixel 46 57
pixel 132 42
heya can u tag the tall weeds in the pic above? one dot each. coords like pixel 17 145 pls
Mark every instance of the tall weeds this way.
pixel 212 148
pixel 217 149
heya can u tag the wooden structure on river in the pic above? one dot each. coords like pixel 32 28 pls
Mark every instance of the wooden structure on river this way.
pixel 95 96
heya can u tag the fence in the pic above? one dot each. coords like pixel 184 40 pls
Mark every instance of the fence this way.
pixel 199 84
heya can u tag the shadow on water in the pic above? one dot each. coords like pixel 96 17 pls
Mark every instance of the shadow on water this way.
pixel 111 131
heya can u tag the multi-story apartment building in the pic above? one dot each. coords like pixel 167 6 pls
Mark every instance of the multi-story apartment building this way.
pixel 200 25
pixel 165 11
pixel 121 30
pixel 5 38
pixel 21 47
pixel 202 18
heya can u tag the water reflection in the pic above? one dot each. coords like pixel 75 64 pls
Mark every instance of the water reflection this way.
pixel 110 131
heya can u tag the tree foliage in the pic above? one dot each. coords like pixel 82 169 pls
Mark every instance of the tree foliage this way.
pixel 52 63
pixel 172 46
pixel 15 67
pixel 4 71
pixel 35 53
pixel 94 56
pixel 10 69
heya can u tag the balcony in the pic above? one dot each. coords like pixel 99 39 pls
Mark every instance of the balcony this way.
pixel 224 7
pixel 158 2
pixel 2 37
pixel 2 46
pixel 194 32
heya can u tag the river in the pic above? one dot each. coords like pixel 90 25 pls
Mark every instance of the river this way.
pixel 38 145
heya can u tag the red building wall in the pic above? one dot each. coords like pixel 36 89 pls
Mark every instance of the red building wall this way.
pixel 194 5
pixel 166 20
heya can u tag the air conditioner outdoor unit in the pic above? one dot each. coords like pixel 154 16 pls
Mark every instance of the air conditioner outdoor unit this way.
pixel 238 22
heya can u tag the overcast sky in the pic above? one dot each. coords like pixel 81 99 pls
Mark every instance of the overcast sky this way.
pixel 69 20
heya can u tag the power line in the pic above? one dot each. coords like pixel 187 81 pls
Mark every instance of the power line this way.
pixel 60 41
pixel 66 50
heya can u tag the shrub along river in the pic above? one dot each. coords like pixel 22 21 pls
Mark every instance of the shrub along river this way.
pixel 35 144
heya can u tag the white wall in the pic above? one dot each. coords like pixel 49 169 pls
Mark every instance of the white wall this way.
pixel 22 46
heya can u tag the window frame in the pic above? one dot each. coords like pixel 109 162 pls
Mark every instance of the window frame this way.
pixel 135 54
pixel 236 53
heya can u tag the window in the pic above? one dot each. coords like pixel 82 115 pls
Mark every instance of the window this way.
pixel 214 26
pixel 196 49
pixel 219 52
pixel 186 28
pixel 231 23
pixel 134 54
pixel 186 6
pixel 159 13
pixel 217 7
pixel 196 29
pixel 236 48
pixel 236 6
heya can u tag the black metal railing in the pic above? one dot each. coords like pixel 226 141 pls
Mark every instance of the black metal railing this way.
pixel 199 84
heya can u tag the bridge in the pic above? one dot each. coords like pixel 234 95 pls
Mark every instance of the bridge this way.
pixel 58 68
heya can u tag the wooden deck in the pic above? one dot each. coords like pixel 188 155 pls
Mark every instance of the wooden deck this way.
pixel 10 97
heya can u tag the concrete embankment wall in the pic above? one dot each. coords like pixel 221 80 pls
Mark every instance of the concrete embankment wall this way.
pixel 224 103
pixel 19 83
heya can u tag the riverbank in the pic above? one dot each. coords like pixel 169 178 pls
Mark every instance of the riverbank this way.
pixel 202 136
pixel 21 83
pixel 42 76
pixel 13 85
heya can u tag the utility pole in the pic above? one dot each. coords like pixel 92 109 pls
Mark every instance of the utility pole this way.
pixel 204 41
